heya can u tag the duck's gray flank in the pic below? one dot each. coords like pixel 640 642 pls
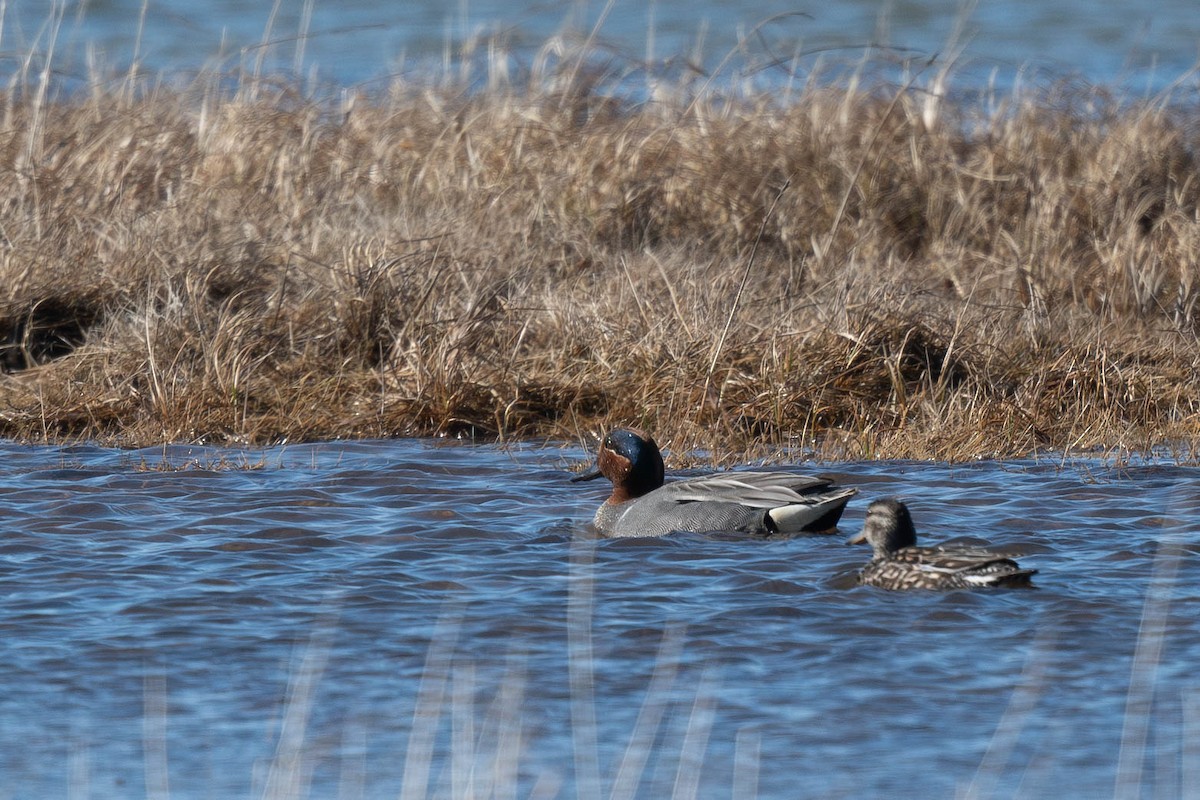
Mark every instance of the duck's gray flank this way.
pixel 762 503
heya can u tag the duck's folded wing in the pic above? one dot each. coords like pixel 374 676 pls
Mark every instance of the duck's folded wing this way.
pixel 959 561
pixel 753 489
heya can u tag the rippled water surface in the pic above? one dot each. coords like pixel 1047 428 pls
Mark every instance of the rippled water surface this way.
pixel 370 618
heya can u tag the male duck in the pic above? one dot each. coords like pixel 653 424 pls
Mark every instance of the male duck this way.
pixel 744 502
pixel 898 562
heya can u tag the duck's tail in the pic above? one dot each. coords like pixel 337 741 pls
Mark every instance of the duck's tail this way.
pixel 1013 578
pixel 819 514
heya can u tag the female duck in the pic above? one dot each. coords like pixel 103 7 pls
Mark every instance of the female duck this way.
pixel 898 562
pixel 744 502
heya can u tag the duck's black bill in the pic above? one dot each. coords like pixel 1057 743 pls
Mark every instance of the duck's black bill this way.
pixel 594 472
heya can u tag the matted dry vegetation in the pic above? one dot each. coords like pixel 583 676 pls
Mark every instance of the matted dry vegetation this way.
pixel 873 272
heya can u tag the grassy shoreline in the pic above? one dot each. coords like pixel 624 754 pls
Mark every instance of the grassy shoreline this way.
pixel 867 270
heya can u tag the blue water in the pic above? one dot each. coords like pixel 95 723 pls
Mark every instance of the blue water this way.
pixel 363 619
pixel 365 43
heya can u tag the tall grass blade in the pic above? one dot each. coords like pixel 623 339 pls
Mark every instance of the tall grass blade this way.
pixel 463 752
pixel 289 770
pixel 695 740
pixel 418 758
pixel 580 669
pixel 1147 655
pixel 1189 755
pixel 505 719
pixel 650 715
pixel 746 764
pixel 154 736
pixel 1021 704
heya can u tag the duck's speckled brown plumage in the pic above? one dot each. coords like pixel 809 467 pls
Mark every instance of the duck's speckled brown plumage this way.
pixel 743 502
pixel 898 562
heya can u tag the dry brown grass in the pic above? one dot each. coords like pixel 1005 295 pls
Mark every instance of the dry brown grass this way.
pixel 871 272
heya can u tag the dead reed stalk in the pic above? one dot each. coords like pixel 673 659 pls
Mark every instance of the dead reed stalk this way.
pixel 546 258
